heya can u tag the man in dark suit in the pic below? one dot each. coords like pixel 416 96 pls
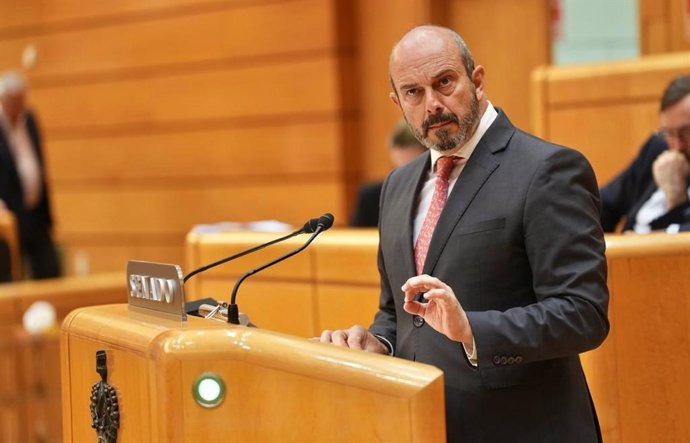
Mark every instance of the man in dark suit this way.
pixel 652 193
pixel 403 147
pixel 23 188
pixel 503 284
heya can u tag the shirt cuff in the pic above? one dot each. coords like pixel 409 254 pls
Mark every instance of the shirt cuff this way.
pixel 386 343
pixel 471 356
pixel 673 228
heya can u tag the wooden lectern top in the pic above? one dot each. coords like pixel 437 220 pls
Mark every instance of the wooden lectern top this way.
pixel 278 387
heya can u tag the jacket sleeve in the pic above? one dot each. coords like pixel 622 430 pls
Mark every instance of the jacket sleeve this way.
pixel 564 244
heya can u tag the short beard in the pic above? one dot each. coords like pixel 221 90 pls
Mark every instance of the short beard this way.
pixel 466 128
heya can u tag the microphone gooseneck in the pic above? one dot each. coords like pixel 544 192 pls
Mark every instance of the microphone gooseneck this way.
pixel 322 224
pixel 308 228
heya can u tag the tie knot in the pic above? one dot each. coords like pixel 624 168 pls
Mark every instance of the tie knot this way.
pixel 444 166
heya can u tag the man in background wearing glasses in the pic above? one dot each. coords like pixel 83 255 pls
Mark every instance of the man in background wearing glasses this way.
pixel 652 193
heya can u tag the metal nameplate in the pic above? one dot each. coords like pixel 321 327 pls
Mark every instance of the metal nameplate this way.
pixel 156 289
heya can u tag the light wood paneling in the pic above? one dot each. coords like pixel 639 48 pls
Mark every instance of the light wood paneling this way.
pixel 285 306
pixel 255 92
pixel 380 25
pixel 212 247
pixel 175 207
pixel 605 110
pixel 271 378
pixel 663 26
pixel 171 42
pixel 36 15
pixel 29 363
pixel 649 311
pixel 173 107
pixel 509 39
pixel 341 306
pixel 329 285
pixel 204 153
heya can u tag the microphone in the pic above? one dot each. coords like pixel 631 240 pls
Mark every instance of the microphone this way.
pixel 322 224
pixel 308 228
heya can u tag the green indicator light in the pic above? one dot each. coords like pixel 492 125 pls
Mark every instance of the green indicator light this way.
pixel 209 390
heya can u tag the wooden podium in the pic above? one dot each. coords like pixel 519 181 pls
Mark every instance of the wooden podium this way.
pixel 277 388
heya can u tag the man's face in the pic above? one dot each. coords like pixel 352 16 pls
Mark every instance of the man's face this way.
pixel 438 99
pixel 13 105
pixel 675 126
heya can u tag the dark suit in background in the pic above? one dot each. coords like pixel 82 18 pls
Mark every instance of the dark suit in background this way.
pixel 519 241
pixel 623 196
pixel 34 224
pixel 367 206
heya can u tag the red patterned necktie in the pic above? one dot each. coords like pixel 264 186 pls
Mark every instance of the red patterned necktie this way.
pixel 444 166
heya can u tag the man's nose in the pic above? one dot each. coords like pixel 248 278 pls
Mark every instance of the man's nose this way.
pixel 433 103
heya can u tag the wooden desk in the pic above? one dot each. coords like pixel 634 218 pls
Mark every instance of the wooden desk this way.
pixel 636 377
pixel 332 284
pixel 30 364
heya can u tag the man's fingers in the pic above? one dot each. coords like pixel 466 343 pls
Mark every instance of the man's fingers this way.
pixel 325 336
pixel 355 340
pixel 339 338
pixel 414 308
pixel 439 295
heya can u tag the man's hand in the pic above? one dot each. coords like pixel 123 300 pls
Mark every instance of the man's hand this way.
pixel 671 171
pixel 354 338
pixel 442 312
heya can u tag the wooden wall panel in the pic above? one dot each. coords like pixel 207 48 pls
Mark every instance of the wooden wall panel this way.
pixel 175 208
pixel 664 26
pixel 380 24
pixel 254 92
pixel 291 148
pixel 105 253
pixel 608 148
pixel 605 110
pixel 278 306
pixel 161 114
pixel 509 39
pixel 35 15
pixel 173 41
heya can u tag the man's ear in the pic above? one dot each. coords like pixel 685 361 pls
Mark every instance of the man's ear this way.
pixel 394 98
pixel 478 81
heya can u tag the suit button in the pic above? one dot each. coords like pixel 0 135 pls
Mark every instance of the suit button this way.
pixel 417 321
pixel 511 360
pixel 518 359
pixel 497 360
pixel 504 360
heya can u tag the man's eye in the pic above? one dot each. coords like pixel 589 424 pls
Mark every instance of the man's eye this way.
pixel 411 92
pixel 445 81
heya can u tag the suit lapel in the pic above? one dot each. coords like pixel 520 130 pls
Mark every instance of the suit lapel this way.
pixel 478 169
pixel 410 194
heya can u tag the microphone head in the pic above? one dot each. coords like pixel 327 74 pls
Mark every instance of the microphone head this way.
pixel 325 221
pixel 310 226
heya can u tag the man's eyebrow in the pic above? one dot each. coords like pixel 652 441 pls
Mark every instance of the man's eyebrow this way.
pixel 408 86
pixel 438 75
pixel 443 73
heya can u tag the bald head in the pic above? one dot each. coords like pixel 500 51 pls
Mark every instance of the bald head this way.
pixel 424 35
pixel 437 87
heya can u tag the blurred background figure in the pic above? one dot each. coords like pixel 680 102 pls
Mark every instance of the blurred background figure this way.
pixel 403 147
pixel 652 193
pixel 23 188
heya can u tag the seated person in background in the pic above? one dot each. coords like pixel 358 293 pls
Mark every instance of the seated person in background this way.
pixel 23 187
pixel 403 147
pixel 652 193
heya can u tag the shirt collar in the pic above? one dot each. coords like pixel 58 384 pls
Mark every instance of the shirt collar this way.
pixel 467 149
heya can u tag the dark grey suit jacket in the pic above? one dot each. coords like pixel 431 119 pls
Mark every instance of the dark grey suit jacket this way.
pixel 520 243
